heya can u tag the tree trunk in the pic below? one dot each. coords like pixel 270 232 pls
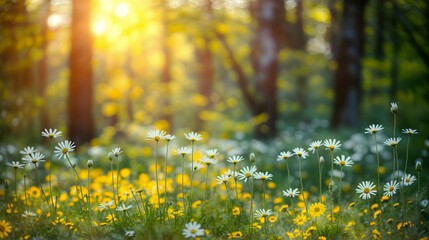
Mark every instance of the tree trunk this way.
pixel 347 77
pixel 43 65
pixel 81 121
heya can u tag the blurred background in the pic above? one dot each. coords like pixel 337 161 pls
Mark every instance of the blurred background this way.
pixel 102 70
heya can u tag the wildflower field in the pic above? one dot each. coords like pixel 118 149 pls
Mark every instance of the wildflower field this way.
pixel 214 119
pixel 187 186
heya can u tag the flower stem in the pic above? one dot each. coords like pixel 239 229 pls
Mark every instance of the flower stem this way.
pixel 89 200
pixel 302 185
pixel 117 180
pixel 113 183
pixel 165 179
pixel 406 159
pixel 332 188
pixel 320 174
pixel 50 172
pixel 192 174
pixel 339 198
pixel 378 166
pixel 25 191
pixel 205 194
pixel 16 193
pixel 156 176
pixel 183 192
pixel 263 193
pixel 41 188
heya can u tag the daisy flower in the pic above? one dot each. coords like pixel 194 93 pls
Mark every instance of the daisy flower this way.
pixel 332 144
pixel 64 148
pixel 183 151
pixel 208 161
pixel 300 219
pixel 390 188
pixel 129 233
pixel 193 230
pixel 343 161
pixel 212 153
pixel 291 192
pixel 392 141
pixel 223 178
pixel 317 209
pixel 116 152
pixel 235 159
pixel 373 128
pixel 246 173
pixel 193 136
pixel 263 213
pixel 231 173
pixel 409 131
pixel 156 135
pixel 408 180
pixel 106 205
pixel 284 155
pixel 28 150
pixel 34 158
pixel 197 166
pixel 314 145
pixel 51 133
pixel 123 208
pixel 366 189
pixel 300 152
pixel 263 176
pixel 15 164
pixel 29 214
pixel 393 107
pixel 169 137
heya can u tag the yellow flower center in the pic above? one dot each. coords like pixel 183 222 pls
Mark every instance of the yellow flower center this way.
pixel 193 231
pixel 212 155
pixel 316 209
pixel 248 175
pixel 284 157
pixel 15 166
pixel 34 161
pixel 208 163
pixel 342 163
pixel 366 190
pixel 157 138
pixel 223 180
pixel 234 162
pixel 393 144
pixel 374 130
pixel 65 150
pixel 316 146
pixel 299 154
pixel 290 194
pixel 407 180
pixel 51 135
pixel 263 178
pixel 193 139
pixel 2 228
pixel 410 132
pixel 264 215
pixel 332 147
pixel 391 189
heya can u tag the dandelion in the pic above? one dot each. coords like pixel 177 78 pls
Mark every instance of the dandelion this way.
pixel 300 219
pixel 51 133
pixel 317 209
pixel 291 192
pixel 193 230
pixel 374 128
pixel 28 150
pixel 263 176
pixel 5 229
pixel 366 189
pixel 408 179
pixel 390 188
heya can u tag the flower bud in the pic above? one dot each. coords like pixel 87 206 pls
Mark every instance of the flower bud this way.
pixel 331 186
pixel 110 156
pixel 252 157
pixel 419 166
pixel 321 160
pixel 89 163
pixel 6 183
pixel 394 108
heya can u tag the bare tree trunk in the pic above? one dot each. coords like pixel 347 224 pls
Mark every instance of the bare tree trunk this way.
pixel 81 121
pixel 43 68
pixel 347 77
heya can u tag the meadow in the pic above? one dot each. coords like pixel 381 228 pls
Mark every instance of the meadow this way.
pixel 165 186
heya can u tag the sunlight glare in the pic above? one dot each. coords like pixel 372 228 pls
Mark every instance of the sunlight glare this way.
pixel 54 20
pixel 99 27
pixel 121 10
